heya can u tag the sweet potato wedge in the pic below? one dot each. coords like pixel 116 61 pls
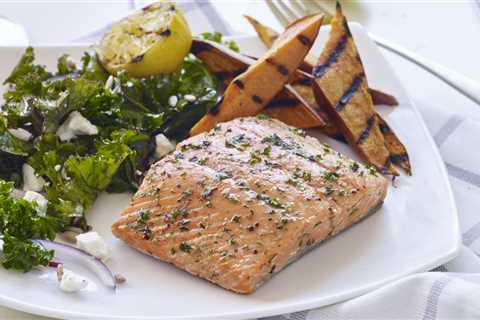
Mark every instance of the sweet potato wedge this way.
pixel 268 37
pixel 383 98
pixel 251 91
pixel 398 152
pixel 341 86
pixel 287 106
pixel 266 34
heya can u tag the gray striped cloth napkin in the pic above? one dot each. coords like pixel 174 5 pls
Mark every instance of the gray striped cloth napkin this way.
pixel 452 291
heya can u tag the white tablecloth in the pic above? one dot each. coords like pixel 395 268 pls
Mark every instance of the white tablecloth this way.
pixel 452 291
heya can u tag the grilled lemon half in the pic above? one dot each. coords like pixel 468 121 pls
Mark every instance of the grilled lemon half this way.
pixel 152 41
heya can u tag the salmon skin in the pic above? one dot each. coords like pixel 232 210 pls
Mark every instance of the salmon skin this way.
pixel 235 205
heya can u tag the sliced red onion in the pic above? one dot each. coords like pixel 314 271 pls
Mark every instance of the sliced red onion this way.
pixel 54 264
pixel 102 271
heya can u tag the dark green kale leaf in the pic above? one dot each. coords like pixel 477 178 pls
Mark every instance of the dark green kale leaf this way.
pixel 127 177
pixel 92 69
pixel 196 81
pixel 65 65
pixel 19 224
pixel 23 255
pixel 26 78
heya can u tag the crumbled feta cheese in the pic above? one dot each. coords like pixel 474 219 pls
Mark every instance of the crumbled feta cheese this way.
pixel 42 203
pixel 76 125
pixel 57 167
pixel 21 134
pixel 94 244
pixel 109 82
pixel 31 181
pixel 69 281
pixel 163 146
pixel 172 101
pixel 190 97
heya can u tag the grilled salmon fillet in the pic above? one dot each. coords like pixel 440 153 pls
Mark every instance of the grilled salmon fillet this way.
pixel 237 204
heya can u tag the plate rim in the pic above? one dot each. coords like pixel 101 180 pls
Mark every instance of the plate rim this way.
pixel 291 307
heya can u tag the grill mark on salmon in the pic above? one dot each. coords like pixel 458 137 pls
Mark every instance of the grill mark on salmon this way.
pixel 238 228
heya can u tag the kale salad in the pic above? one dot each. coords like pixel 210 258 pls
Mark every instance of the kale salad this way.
pixel 70 134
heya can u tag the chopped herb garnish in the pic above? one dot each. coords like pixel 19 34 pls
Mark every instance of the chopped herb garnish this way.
pixel 254 158
pixel 240 142
pixel 231 197
pixel 266 150
pixel 299 132
pixel 236 219
pixel 222 175
pixel 274 202
pixel 185 247
pixel 330 176
pixel 292 182
pixel 354 166
pixel 307 176
pixel 262 116
pixel 371 169
pixel 207 192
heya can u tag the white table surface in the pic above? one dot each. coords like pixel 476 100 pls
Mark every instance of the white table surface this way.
pixel 444 31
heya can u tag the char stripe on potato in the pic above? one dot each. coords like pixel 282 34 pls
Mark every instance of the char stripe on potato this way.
pixel 280 67
pixel 399 157
pixel 321 69
pixel 257 99
pixel 283 103
pixel 366 132
pixel 357 81
pixel 304 40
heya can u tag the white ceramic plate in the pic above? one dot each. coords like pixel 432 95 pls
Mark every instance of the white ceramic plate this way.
pixel 416 230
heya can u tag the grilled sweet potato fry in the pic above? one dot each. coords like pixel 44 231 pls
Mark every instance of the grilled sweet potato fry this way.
pixel 251 91
pixel 383 98
pixel 287 106
pixel 398 152
pixel 341 86
pixel 268 37
pixel 266 34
